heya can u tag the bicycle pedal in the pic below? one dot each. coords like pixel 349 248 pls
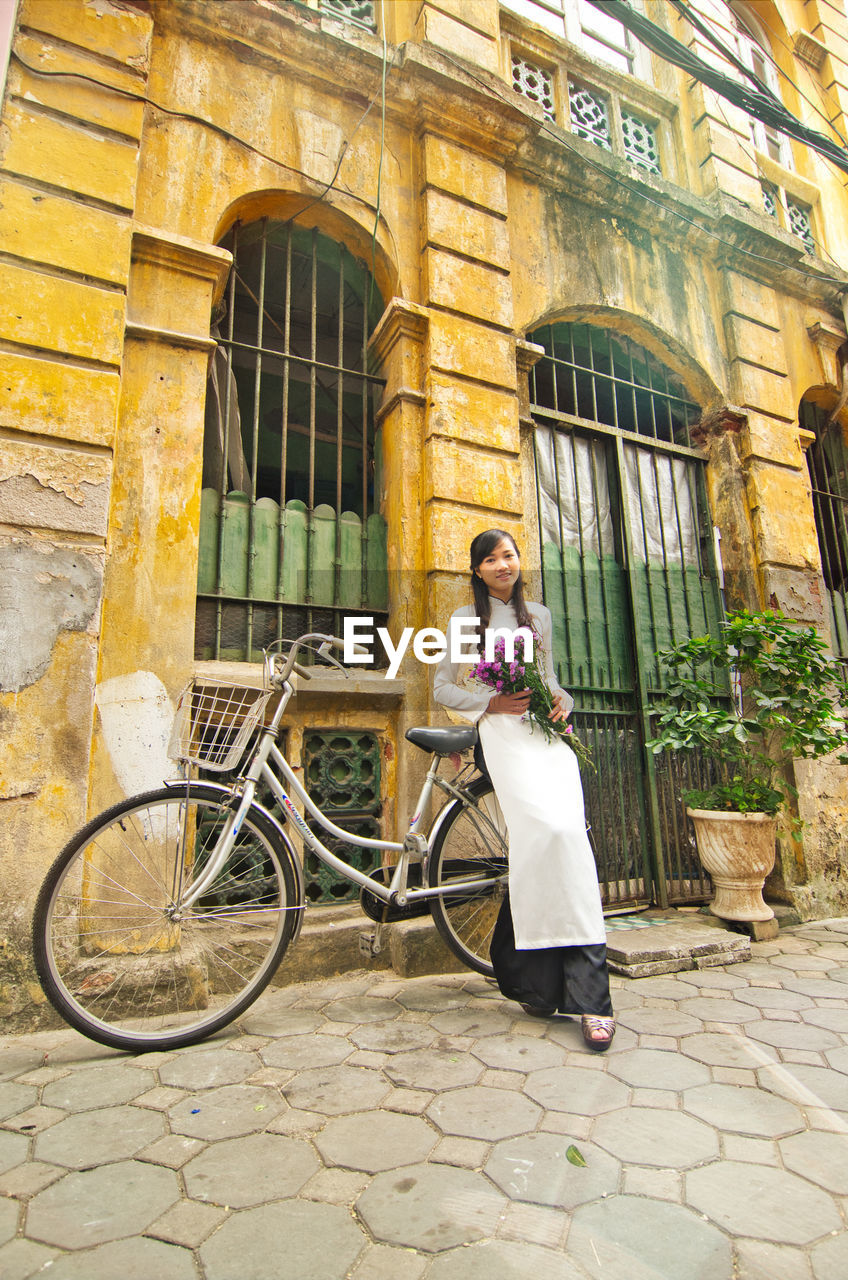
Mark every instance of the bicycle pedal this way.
pixel 369 945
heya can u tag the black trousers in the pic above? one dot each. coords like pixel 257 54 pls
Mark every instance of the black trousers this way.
pixel 569 979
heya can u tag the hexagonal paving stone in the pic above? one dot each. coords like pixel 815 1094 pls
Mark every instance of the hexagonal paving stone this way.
pixel 774 998
pixel 13 1150
pixel 830 1258
pixel 838 1059
pixel 375 1141
pixel 645 1240
pixel 663 1022
pixel 269 1019
pixel 430 1207
pixel 9 1210
pixel 662 1139
pixel 792 1035
pixel 725 1048
pixel 536 1169
pixel 130 1259
pixel 837 975
pixel 15 1098
pixel 98 1087
pixel 807 1085
pixel 433 1069
pixel 804 962
pixel 298 1052
pixel 717 1009
pixel 518 1053
pixel 208 1069
pixel 815 988
pixel 580 1090
pixel 831 1016
pixel 656 1069
pixel 117 1200
pixel 359 1009
pixel 759 1260
pixel 740 1109
pixel 480 1112
pixel 821 1157
pixel 228 1112
pixel 716 978
pixel 16 1059
pixel 336 1091
pixel 20 1259
pixel 393 1037
pixel 766 1204
pixel 503 1260
pixel 242 1172
pixel 429 997
pixel 474 1021
pixel 97 1137
pixel 316 1241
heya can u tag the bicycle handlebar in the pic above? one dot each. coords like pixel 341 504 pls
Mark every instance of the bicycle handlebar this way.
pixel 278 677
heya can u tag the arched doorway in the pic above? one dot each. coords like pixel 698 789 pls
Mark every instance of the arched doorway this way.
pixel 628 567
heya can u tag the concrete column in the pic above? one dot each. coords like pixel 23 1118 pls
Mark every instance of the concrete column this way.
pixel 467 28
pixel 472 476
pixel 146 651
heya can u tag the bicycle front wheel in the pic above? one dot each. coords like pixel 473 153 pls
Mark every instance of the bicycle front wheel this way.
pixel 119 955
pixel 467 849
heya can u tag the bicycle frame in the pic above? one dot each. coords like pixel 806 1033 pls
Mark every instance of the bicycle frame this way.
pixel 268 763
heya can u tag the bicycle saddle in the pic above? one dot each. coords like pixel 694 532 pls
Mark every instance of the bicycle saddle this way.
pixel 443 741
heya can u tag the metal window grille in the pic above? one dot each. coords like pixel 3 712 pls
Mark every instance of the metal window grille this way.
pixel 360 12
pixel 640 142
pixel 627 568
pixel 290 539
pixel 827 460
pixel 589 116
pixel 602 376
pixel 534 82
pixel 771 199
pixel 798 217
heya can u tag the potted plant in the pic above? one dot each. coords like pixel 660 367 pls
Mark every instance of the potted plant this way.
pixel 760 692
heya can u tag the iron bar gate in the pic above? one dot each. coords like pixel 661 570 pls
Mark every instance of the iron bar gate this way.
pixel 827 459
pixel 627 569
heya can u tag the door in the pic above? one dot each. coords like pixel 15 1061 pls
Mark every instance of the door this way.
pixel 627 568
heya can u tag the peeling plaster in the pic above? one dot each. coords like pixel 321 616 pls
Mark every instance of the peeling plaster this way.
pixel 43 590
pixel 136 715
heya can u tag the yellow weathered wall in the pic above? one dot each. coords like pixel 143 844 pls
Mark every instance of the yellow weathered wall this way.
pixel 111 208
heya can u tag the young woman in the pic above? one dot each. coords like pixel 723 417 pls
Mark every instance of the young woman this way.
pixel 549 943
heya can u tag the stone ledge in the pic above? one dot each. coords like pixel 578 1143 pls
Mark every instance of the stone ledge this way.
pixel 673 947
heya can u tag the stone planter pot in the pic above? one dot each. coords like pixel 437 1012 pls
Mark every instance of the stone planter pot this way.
pixel 738 851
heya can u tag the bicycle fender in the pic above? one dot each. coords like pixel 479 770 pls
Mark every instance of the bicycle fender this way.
pixel 218 789
pixel 476 788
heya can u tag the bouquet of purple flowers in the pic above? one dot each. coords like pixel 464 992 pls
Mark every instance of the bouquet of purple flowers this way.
pixel 523 673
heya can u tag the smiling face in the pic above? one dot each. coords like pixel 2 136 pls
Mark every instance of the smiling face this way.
pixel 499 570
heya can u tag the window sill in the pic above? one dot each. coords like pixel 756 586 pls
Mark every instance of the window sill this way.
pixel 370 686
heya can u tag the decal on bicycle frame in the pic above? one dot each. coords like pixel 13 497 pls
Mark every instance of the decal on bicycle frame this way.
pixel 297 819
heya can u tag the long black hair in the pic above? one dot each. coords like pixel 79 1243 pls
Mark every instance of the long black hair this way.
pixel 481 547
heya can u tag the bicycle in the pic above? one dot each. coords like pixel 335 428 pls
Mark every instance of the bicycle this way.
pixel 165 917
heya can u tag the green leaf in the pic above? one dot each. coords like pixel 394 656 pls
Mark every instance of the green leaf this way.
pixel 573 1156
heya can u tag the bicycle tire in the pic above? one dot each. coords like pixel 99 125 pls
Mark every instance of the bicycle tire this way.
pixel 110 956
pixel 461 849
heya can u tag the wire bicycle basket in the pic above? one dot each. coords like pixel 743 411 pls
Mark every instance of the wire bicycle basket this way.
pixel 214 722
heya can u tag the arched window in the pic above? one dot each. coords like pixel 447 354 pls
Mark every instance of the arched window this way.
pixel 626 548
pixel 752 46
pixel 290 533
pixel 827 460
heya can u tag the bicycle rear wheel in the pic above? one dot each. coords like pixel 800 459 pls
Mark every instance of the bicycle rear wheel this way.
pixel 118 956
pixel 466 848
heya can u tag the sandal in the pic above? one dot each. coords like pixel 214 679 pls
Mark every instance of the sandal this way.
pixel 597 1032
pixel 536 1011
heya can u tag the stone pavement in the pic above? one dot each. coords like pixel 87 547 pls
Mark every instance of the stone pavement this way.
pixel 375 1128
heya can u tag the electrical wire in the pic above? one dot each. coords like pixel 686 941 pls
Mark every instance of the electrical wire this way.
pixel 486 85
pixel 701 22
pixel 228 134
pixel 558 136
